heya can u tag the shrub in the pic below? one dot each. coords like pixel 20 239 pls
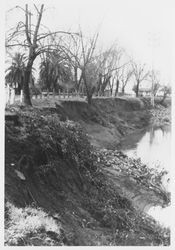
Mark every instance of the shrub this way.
pixel 58 139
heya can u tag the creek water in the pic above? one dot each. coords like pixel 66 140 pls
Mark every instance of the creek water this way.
pixel 153 146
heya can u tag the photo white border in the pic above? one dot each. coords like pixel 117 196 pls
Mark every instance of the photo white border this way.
pixel 2 105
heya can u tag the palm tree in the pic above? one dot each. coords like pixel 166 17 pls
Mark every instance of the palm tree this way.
pixel 52 69
pixel 15 73
pixel 44 74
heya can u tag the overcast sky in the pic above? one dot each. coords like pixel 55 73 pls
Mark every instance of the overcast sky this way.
pixel 135 24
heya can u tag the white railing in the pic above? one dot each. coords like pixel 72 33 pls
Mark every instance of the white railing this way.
pixel 11 98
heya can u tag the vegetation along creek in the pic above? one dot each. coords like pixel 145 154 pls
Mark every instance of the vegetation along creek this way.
pixel 153 146
pixel 65 184
pixel 87 124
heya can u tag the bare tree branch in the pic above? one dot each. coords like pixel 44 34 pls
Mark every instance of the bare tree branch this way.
pixel 38 24
pixel 27 26
pixel 18 44
pixel 36 9
pixel 54 33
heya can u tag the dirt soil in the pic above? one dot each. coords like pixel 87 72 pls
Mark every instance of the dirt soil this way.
pixel 94 203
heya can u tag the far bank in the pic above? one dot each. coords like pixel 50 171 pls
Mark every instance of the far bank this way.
pixel 108 120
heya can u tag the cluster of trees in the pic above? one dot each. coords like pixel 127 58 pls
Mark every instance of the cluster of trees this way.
pixel 69 59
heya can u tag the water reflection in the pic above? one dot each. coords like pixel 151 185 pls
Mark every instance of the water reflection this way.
pixel 153 146
pixel 163 215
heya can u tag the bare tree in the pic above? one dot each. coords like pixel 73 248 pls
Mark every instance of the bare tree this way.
pixel 80 52
pixel 105 65
pixel 110 65
pixel 126 74
pixel 30 43
pixel 117 74
pixel 115 67
pixel 140 74
pixel 166 89
pixel 27 36
pixel 89 77
pixel 155 81
pixel 96 69
pixel 72 53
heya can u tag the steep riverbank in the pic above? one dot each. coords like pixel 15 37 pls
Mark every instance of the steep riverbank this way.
pixel 107 121
pixel 60 190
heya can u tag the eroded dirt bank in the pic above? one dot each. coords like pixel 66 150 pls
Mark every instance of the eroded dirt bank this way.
pixel 107 120
pixel 85 196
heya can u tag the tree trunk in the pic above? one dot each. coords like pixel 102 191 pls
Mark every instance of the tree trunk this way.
pixel 117 88
pixel 26 91
pixel 88 94
pixel 137 89
pixel 89 99
pixel 54 92
pixel 27 75
pixel 123 90
pixel 163 98
pixel 99 85
pixel 111 91
pixel 54 87
pixel 104 84
pixel 18 90
pixel 88 91
pixel 112 86
pixel 76 77
pixel 12 96
pixel 78 87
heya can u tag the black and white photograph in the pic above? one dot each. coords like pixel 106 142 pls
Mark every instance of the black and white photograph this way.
pixel 87 130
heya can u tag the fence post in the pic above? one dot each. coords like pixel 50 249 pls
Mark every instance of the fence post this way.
pixel 12 96
pixel 21 96
pixel 7 94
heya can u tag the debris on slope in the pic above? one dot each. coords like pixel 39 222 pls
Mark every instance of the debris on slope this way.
pixel 64 174
pixel 160 114
pixel 145 176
